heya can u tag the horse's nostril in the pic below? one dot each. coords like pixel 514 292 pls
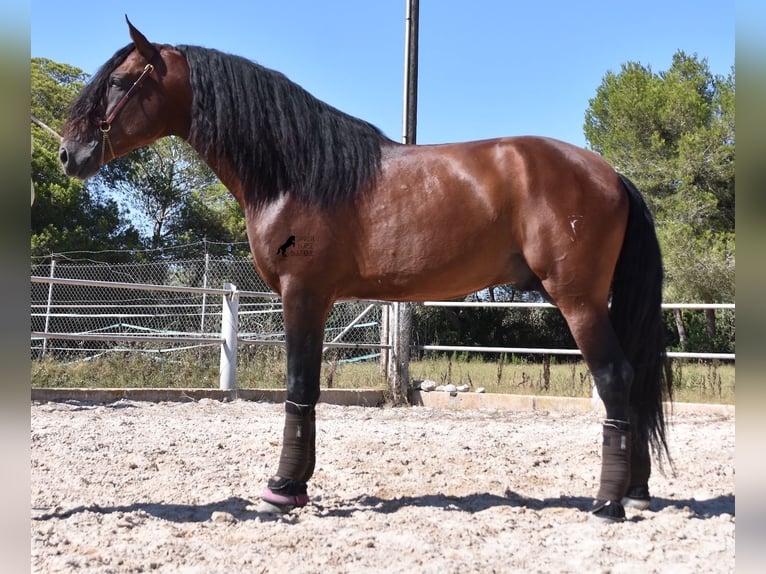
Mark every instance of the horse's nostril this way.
pixel 63 156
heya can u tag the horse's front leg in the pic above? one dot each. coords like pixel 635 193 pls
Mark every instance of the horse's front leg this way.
pixel 305 316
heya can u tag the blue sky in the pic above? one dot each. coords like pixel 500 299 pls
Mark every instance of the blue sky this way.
pixel 487 67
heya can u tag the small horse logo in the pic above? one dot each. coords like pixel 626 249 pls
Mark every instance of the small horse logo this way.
pixel 286 245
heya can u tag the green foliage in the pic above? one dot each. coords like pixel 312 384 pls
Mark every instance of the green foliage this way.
pixel 492 327
pixel 68 215
pixel 165 185
pixel 54 87
pixel 213 215
pixel 698 337
pixel 699 264
pixel 673 134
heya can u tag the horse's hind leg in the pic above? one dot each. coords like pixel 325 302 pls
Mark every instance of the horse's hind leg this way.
pixel 613 375
pixel 637 495
pixel 304 316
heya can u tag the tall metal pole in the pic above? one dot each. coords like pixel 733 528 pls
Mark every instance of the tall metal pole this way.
pixel 401 325
pixel 410 117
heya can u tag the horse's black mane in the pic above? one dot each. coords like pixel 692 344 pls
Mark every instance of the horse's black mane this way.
pixel 275 135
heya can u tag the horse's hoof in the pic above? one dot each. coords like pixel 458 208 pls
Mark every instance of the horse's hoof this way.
pixel 266 507
pixel 636 503
pixel 608 511
pixel 274 503
pixel 637 497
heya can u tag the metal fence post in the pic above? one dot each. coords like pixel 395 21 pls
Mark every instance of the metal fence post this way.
pixel 401 339
pixel 399 367
pixel 229 328
pixel 204 295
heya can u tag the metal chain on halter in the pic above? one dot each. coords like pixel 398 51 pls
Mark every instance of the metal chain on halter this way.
pixel 104 142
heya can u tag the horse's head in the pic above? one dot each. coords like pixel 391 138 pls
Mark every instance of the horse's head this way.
pixel 140 95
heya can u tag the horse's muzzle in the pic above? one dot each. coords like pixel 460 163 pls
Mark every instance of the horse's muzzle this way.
pixel 78 159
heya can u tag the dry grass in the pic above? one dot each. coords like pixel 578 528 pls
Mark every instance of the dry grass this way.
pixel 264 367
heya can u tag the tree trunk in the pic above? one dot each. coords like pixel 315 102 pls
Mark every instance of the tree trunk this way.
pixel 710 323
pixel 157 235
pixel 681 329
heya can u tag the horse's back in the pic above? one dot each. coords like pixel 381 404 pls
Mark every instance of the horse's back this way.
pixel 448 219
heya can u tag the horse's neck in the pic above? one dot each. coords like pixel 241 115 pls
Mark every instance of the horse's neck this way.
pixel 224 171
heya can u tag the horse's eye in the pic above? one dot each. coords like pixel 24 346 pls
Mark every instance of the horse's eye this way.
pixel 115 82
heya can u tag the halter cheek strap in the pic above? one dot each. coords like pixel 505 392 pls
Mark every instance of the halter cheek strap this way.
pixel 106 124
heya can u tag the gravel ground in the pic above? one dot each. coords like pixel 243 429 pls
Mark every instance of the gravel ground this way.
pixel 173 487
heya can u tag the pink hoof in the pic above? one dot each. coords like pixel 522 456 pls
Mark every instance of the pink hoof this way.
pixel 285 500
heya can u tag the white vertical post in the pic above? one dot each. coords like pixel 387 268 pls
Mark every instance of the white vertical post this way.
pixel 48 306
pixel 385 339
pixel 229 328
pixel 393 322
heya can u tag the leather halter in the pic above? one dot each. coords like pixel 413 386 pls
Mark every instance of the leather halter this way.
pixel 106 124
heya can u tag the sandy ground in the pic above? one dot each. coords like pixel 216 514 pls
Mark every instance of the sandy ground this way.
pixel 173 487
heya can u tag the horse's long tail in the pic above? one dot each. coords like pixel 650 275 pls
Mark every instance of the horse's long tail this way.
pixel 637 319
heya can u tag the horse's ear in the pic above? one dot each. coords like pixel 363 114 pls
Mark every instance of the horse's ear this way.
pixel 148 50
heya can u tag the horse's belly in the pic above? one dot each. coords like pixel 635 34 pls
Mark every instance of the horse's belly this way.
pixel 434 266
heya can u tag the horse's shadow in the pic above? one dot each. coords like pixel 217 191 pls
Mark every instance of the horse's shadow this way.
pixel 707 508
pixel 243 510
pixel 724 504
pixel 237 507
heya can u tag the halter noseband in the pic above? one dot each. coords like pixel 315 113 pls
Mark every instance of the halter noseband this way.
pixel 106 124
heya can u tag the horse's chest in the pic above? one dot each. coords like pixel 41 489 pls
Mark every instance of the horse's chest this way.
pixel 289 240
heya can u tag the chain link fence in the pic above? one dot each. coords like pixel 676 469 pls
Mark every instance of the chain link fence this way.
pixel 80 310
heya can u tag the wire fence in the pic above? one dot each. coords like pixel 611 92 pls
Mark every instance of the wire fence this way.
pixel 81 308
pixel 90 320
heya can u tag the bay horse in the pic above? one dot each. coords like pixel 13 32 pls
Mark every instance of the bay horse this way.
pixel 397 222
